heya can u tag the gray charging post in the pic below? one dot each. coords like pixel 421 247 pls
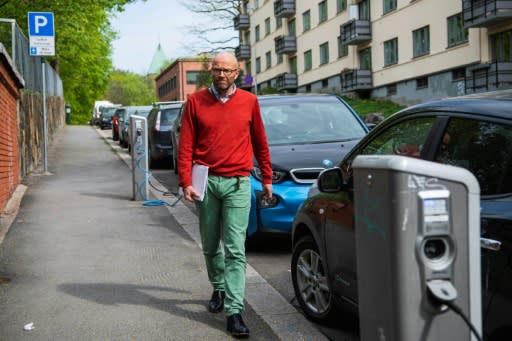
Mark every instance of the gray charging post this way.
pixel 418 249
pixel 139 151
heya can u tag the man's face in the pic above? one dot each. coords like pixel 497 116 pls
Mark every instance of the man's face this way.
pixel 224 72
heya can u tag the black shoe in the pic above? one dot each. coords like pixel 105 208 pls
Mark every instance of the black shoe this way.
pixel 237 327
pixel 217 301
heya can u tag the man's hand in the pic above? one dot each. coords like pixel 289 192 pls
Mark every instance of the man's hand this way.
pixel 267 192
pixel 190 194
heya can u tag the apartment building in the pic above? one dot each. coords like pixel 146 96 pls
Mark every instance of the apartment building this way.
pixel 408 51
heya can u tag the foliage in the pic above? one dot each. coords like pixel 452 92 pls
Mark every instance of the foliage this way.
pixel 129 88
pixel 83 38
pixel 369 106
pixel 204 79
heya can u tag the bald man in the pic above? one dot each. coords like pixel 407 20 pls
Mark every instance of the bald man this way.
pixel 222 129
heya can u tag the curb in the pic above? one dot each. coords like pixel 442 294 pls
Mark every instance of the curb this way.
pixel 10 211
pixel 284 319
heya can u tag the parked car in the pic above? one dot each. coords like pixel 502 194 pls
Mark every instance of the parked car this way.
pixel 143 112
pixel 124 120
pixel 175 138
pixel 97 110
pixel 115 123
pixel 105 118
pixel 473 132
pixel 160 120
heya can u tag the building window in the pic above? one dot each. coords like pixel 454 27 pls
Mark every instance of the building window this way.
pixel 268 60
pixel 389 5
pixel 421 41
pixel 422 83
pixel 247 37
pixel 279 58
pixel 308 60
pixel 457 34
pixel 391 89
pixel 363 9
pixel 279 22
pixel 258 65
pixel 248 68
pixel 257 33
pixel 365 59
pixel 293 65
pixel 291 27
pixel 192 77
pixel 458 74
pixel 325 83
pixel 324 53
pixel 342 48
pixel 306 21
pixel 267 26
pixel 502 46
pixel 341 5
pixel 391 52
pixel 322 11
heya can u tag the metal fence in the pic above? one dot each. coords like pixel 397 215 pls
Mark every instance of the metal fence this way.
pixel 30 67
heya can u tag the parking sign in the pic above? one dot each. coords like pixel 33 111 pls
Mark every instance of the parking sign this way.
pixel 41 33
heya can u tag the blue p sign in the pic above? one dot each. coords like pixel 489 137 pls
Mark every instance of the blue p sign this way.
pixel 40 24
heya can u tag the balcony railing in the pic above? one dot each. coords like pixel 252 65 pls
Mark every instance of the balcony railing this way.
pixel 356 80
pixel 284 8
pixel 242 22
pixel 488 77
pixel 286 81
pixel 243 52
pixel 356 32
pixel 286 44
pixel 484 13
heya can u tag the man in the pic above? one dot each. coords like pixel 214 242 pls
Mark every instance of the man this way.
pixel 222 129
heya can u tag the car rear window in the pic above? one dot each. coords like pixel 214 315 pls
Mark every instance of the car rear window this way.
pixel 167 116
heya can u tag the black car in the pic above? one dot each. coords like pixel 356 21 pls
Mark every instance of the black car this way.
pixel 473 132
pixel 105 119
pixel 160 120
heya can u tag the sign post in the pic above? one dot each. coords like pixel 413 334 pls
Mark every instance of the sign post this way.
pixel 42 43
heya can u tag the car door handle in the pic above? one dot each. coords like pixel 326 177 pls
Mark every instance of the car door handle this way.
pixel 490 244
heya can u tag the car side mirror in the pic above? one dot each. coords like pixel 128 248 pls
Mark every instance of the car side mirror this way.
pixel 331 180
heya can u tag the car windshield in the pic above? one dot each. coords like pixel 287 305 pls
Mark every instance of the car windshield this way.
pixel 143 113
pixel 309 120
pixel 109 112
pixel 169 115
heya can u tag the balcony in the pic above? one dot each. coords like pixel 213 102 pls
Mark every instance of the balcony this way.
pixel 484 13
pixel 356 80
pixel 242 22
pixel 284 8
pixel 286 44
pixel 356 32
pixel 243 52
pixel 488 77
pixel 286 81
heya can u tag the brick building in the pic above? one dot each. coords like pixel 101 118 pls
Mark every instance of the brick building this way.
pixel 10 84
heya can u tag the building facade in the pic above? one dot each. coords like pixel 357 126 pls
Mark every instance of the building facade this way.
pixel 407 51
pixel 181 78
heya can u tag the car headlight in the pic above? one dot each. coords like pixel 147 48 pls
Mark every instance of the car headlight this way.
pixel 277 176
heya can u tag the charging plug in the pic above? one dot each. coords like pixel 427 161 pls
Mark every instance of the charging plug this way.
pixel 442 291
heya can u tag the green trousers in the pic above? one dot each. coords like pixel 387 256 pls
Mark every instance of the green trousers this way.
pixel 224 215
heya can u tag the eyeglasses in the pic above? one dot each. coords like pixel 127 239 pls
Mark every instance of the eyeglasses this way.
pixel 227 72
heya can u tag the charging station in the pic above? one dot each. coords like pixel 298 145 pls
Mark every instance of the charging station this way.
pixel 139 151
pixel 418 249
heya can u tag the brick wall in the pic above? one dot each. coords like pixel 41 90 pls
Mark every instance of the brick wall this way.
pixel 9 154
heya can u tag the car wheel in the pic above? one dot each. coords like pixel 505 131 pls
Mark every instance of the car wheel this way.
pixel 310 281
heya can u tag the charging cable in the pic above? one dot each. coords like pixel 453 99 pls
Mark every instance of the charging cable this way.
pixel 141 152
pixel 443 292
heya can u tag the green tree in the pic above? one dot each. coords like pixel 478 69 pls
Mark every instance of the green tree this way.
pixel 129 88
pixel 83 37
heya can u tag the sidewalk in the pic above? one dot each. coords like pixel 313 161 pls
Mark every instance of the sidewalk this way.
pixel 84 262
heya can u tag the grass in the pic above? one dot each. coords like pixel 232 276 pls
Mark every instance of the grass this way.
pixel 368 106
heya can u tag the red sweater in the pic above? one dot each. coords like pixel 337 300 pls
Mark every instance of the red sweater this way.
pixel 223 136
